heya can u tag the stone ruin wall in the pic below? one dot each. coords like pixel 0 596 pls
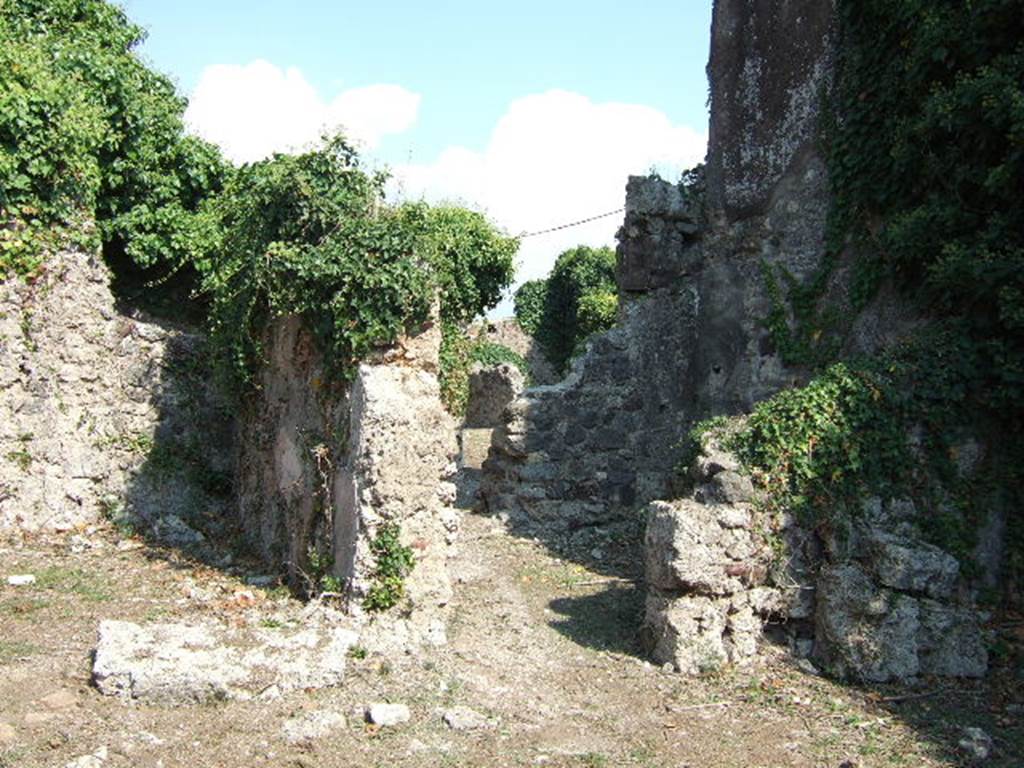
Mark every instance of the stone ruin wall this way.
pixel 690 344
pixel 322 465
pixel 109 414
pixel 105 413
pixel 872 601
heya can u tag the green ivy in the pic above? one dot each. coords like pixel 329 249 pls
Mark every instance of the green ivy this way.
pixel 310 235
pixel 455 362
pixel 488 353
pixel 925 142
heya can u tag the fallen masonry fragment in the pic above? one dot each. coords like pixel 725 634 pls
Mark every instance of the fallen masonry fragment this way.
pixel 190 664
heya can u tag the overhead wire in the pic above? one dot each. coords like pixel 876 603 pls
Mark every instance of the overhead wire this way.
pixel 571 224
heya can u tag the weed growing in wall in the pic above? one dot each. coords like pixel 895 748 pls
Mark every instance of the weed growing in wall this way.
pixel 393 563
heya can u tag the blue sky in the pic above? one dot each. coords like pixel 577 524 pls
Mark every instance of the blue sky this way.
pixel 534 112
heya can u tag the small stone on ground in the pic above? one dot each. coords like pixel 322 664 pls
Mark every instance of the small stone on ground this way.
pixel 312 726
pixel 59 700
pixel 464 719
pixel 976 743
pixel 388 714
pixel 7 734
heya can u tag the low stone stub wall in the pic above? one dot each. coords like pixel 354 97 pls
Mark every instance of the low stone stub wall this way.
pixel 491 389
pixel 875 603
pixel 323 465
pixel 602 438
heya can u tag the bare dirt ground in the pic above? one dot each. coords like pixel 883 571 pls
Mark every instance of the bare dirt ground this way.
pixel 542 642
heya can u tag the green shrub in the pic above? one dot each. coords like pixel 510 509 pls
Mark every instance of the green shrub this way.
pixel 473 262
pixel 309 235
pixel 529 303
pixel 488 353
pixel 577 300
pixel 596 311
pixel 89 133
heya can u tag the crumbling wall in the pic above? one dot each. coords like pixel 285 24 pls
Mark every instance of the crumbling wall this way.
pixel 604 438
pixel 491 389
pixel 324 464
pixel 691 264
pixel 690 342
pixel 872 600
pixel 104 413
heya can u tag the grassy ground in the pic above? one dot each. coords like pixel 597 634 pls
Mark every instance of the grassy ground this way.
pixel 542 640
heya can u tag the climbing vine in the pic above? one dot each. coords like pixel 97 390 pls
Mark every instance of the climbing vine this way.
pixel 925 141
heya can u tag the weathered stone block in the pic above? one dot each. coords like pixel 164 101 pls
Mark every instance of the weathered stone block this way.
pixel 190 664
pixel 863 631
pixel 686 632
pixel 910 566
pixel 491 389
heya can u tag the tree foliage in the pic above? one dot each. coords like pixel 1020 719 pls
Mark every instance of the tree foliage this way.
pixel 89 133
pixel 577 300
pixel 528 305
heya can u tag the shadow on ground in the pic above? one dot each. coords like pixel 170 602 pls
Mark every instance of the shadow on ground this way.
pixel 606 620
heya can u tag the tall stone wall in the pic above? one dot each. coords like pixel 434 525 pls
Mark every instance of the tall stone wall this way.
pixel 323 464
pixel 692 343
pixel 770 65
pixel 690 270
pixel 104 413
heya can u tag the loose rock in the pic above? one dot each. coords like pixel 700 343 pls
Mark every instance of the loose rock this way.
pixel 388 714
pixel 464 719
pixel 976 743
pixel 95 760
pixel 59 700
pixel 21 580
pixel 182 664
pixel 7 734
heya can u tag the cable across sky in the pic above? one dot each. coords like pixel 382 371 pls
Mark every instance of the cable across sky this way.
pixel 560 227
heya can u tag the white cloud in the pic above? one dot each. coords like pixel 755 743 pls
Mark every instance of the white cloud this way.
pixel 255 110
pixel 555 158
